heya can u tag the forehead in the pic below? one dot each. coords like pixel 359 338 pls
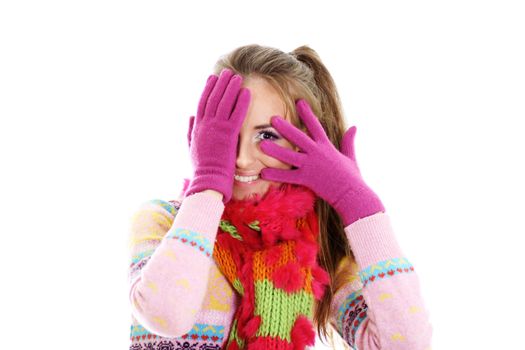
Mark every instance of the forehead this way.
pixel 265 102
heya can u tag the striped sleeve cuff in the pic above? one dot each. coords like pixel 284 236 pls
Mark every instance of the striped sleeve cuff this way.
pixel 197 221
pixel 372 239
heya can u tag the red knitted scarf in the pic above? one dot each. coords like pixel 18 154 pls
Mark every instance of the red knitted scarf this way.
pixel 267 247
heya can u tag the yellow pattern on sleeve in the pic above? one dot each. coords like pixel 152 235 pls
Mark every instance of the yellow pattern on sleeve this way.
pixel 397 336
pixel 385 296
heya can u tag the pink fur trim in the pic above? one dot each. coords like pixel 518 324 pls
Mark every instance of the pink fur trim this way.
pixel 273 255
pixel 289 277
pixel 257 344
pixel 302 333
pixel 305 252
pixel 252 326
pixel 233 346
pixel 320 281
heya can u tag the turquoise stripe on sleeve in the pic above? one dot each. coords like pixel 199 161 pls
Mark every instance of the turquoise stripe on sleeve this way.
pixel 142 255
pixel 385 269
pixel 194 239
pixel 166 205
pixel 199 331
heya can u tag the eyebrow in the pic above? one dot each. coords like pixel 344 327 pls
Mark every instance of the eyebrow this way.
pixel 263 126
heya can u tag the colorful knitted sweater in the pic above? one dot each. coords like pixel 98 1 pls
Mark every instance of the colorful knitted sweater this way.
pixel 180 299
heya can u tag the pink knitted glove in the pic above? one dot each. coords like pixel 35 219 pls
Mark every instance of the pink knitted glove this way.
pixel 214 133
pixel 332 175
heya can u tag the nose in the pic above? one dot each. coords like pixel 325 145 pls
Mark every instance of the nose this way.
pixel 245 155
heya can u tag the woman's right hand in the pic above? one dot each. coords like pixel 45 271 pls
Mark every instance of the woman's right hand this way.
pixel 215 132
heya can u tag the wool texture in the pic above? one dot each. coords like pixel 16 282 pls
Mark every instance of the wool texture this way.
pixel 267 248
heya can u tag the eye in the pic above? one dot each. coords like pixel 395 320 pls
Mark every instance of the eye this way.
pixel 267 135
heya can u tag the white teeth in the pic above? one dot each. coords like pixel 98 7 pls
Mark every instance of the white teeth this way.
pixel 246 178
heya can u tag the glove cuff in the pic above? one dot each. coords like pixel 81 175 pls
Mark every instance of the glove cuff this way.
pixel 357 204
pixel 201 183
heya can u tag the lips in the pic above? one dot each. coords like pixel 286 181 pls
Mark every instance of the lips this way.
pixel 243 173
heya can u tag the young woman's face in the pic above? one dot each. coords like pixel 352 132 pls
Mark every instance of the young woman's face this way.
pixel 265 103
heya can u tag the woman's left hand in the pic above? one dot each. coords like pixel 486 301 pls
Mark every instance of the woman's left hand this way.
pixel 332 175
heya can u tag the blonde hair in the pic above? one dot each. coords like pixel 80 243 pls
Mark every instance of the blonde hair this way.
pixel 294 75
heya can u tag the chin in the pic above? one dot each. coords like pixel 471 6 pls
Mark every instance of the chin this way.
pixel 240 193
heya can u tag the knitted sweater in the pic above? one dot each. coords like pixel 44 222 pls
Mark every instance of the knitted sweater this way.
pixel 180 300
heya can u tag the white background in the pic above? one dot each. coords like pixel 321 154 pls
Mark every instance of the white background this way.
pixel 94 103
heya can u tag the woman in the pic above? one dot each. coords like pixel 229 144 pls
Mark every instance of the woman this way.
pixel 277 237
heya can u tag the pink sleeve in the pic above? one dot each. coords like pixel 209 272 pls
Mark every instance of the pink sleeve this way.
pixel 170 288
pixel 382 307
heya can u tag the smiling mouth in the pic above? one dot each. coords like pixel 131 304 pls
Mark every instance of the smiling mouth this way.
pixel 246 179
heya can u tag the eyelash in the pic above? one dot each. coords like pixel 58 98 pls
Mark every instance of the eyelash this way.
pixel 274 136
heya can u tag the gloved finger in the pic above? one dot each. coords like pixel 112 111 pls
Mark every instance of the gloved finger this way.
pixel 310 120
pixel 283 154
pixel 347 143
pixel 282 175
pixel 210 84
pixel 292 134
pixel 190 130
pixel 241 107
pixel 217 93
pixel 229 97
